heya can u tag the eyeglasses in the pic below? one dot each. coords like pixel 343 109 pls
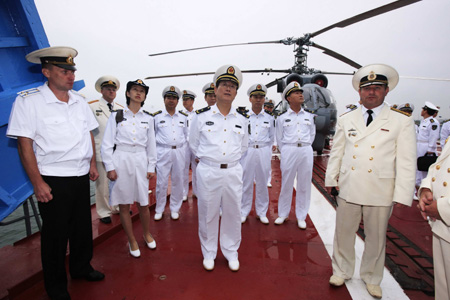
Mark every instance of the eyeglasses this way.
pixel 230 85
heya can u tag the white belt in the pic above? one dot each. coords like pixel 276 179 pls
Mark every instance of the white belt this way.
pixel 259 145
pixel 170 146
pixel 129 148
pixel 219 165
pixel 299 145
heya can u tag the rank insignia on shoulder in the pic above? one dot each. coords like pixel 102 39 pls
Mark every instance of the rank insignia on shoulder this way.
pixel 268 112
pixel 400 111
pixel 156 113
pixel 282 113
pixel 28 92
pixel 242 113
pixel 432 120
pixel 183 113
pixel 199 111
pixel 146 112
pixel 93 101
pixel 434 127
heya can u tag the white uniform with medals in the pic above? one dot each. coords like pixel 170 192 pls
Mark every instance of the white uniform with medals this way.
pixel 101 112
pixel 190 160
pixel 295 133
pixel 133 158
pixel 256 163
pixel 219 142
pixel 171 133
pixel 438 181
pixel 427 137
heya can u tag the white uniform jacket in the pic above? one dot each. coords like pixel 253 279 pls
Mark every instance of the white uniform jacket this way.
pixel 101 113
pixel 375 165
pixel 292 128
pixel 438 181
pixel 136 130
pixel 262 129
pixel 428 135
pixel 214 138
pixel 170 130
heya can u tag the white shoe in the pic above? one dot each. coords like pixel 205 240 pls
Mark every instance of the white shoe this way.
pixel 374 290
pixel 243 219
pixel 269 185
pixel 336 280
pixel 301 224
pixel 157 217
pixel 233 265
pixel 151 245
pixel 279 220
pixel 264 220
pixel 174 215
pixel 184 198
pixel 149 191
pixel 208 264
pixel 134 253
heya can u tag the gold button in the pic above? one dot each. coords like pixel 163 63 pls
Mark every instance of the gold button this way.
pixel 224 154
pixel 353 168
pixel 448 170
pixel 445 183
pixel 224 130
pixel 224 118
pixel 371 158
pixel 224 141
pixel 133 123
pixel 356 146
pixel 372 147
pixel 370 170
pixel 354 156
pixel 438 167
pixel 433 179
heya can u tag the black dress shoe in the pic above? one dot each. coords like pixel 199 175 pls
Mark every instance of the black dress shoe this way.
pixel 106 220
pixel 94 276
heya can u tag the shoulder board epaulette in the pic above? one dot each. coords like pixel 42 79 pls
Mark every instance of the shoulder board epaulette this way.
pixel 199 111
pixel 309 110
pixel 93 101
pixel 351 106
pixel 242 113
pixel 347 112
pixel 28 92
pixel 116 110
pixel 146 112
pixel 431 120
pixel 445 121
pixel 282 113
pixel 156 113
pixel 183 113
pixel 402 112
pixel 268 112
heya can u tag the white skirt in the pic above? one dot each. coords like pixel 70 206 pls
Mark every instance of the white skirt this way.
pixel 131 184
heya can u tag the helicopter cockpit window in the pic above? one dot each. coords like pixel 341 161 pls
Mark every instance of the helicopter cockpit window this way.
pixel 316 97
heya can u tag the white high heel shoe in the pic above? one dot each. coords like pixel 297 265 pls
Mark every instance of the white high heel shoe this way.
pixel 134 253
pixel 151 245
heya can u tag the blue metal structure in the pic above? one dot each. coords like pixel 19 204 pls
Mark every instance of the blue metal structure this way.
pixel 21 32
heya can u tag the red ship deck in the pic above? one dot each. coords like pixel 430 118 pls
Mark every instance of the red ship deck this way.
pixel 277 262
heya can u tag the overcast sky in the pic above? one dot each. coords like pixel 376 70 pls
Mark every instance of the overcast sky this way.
pixel 115 37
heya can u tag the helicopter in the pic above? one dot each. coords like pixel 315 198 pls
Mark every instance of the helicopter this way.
pixel 318 99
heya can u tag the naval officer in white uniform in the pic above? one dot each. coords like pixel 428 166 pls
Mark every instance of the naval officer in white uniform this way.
pixel 188 104
pixel 373 162
pixel 256 161
pixel 107 86
pixel 218 137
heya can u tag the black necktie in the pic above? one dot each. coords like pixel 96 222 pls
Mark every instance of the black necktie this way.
pixel 369 119
pixel 110 107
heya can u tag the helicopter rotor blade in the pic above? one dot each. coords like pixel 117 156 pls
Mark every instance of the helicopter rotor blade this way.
pixel 274 82
pixel 216 46
pixel 337 73
pixel 366 15
pixel 425 78
pixel 266 70
pixel 337 55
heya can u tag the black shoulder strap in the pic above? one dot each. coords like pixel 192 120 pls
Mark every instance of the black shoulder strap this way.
pixel 119 116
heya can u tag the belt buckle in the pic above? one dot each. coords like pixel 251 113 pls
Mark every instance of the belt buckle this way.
pixel 256 146
pixel 299 144
pixel 174 147
pixel 223 166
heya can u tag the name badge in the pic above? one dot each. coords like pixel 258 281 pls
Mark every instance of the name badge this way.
pixel 209 123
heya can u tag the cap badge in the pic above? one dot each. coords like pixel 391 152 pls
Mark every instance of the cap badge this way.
pixel 258 87
pixel 140 81
pixel 230 70
pixel 295 84
pixel 69 60
pixel 212 85
pixel 372 76
pixel 172 89
pixel 185 92
pixel 407 105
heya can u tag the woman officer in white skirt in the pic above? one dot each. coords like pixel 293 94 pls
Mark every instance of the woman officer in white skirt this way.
pixel 129 154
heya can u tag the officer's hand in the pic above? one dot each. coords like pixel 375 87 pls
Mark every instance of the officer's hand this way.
pixel 432 211
pixel 150 175
pixel 43 192
pixel 112 175
pixel 332 190
pixel 93 173
pixel 274 148
pixel 425 198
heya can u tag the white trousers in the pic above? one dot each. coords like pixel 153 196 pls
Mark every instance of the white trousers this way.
pixel 217 188
pixel 295 161
pixel 170 162
pixel 441 259
pixel 190 160
pixel 348 218
pixel 256 167
pixel 102 193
